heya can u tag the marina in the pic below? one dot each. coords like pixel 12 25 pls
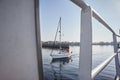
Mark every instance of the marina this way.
pixel 59 40
pixel 85 69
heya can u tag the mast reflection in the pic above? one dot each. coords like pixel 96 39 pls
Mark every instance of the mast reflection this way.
pixel 57 67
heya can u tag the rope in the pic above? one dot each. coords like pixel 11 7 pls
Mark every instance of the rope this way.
pixel 55 37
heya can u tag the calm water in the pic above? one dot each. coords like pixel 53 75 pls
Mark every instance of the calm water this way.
pixel 67 69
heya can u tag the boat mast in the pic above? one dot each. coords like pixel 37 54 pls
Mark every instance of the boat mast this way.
pixel 60 32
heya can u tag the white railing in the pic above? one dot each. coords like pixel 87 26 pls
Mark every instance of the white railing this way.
pixel 85 58
pixel 100 67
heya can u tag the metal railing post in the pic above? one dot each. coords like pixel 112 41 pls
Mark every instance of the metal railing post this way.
pixel 117 65
pixel 85 57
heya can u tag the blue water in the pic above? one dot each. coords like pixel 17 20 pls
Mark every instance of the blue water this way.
pixel 67 69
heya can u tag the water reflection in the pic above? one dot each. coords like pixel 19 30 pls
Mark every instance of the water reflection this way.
pixel 57 67
pixel 68 69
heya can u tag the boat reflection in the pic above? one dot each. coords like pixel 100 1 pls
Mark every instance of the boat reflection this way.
pixel 58 65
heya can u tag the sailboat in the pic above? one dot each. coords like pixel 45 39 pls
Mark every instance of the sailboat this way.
pixel 63 53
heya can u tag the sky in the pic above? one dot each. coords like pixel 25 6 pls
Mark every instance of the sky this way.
pixel 52 10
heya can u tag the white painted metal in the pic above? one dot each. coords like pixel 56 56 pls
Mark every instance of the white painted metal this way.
pixel 80 3
pixel 85 58
pixel 83 5
pixel 100 67
pixel 117 64
pixel 117 78
pixel 18 49
pixel 117 35
pixel 115 45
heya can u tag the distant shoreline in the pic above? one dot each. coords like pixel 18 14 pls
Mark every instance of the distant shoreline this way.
pixel 56 44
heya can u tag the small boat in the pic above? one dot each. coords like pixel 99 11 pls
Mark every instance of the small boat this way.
pixel 63 53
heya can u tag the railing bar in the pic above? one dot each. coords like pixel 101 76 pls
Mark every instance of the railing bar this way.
pixel 118 35
pixel 117 78
pixel 97 16
pixel 80 3
pixel 83 5
pixel 100 67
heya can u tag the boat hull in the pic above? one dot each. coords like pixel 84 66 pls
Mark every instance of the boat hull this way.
pixel 65 55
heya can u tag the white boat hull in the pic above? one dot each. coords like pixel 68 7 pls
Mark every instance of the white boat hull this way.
pixel 62 55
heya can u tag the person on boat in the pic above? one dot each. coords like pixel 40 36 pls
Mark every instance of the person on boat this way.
pixel 67 50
